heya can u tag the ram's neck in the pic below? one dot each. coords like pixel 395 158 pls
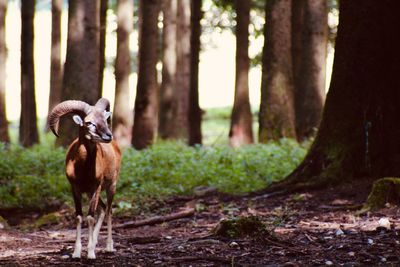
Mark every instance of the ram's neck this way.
pixel 91 147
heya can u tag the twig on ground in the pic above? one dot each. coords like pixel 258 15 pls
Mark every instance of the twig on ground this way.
pixel 199 258
pixel 342 207
pixel 281 245
pixel 269 195
pixel 143 239
pixel 187 212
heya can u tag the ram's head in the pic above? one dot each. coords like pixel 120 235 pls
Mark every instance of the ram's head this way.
pixel 93 120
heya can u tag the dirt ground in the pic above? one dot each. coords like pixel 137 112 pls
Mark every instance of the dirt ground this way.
pixel 306 229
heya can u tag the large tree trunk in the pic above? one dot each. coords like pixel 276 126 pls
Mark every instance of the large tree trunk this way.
pixel 122 116
pixel 359 133
pixel 102 42
pixel 276 118
pixel 168 84
pixel 241 131
pixel 146 102
pixel 28 132
pixel 195 136
pixel 297 28
pixel 4 136
pixel 181 103
pixel 55 56
pixel 309 64
pixel 81 71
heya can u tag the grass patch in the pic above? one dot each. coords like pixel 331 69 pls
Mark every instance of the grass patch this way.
pixel 34 177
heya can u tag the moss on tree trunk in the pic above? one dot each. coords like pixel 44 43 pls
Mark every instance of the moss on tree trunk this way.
pixel 384 190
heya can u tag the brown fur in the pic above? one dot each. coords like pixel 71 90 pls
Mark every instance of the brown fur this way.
pixel 91 168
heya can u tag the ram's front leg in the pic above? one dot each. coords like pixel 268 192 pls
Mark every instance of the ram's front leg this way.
pixel 94 199
pixel 78 211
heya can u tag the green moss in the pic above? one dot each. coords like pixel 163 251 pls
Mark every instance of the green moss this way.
pixel 3 223
pixel 239 227
pixel 333 171
pixel 384 190
pixel 48 219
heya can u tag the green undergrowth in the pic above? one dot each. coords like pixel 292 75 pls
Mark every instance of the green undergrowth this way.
pixel 34 178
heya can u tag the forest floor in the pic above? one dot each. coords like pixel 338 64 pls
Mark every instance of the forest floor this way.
pixel 306 229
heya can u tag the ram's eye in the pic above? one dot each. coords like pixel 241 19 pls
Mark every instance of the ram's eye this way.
pixel 90 124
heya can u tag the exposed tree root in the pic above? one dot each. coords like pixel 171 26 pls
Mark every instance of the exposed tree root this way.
pixel 287 187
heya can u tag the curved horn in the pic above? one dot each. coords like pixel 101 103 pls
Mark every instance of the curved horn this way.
pixel 103 103
pixel 70 106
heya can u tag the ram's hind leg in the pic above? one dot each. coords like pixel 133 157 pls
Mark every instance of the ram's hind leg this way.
pixel 78 210
pixel 110 195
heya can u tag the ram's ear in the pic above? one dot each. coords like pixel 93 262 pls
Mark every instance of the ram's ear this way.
pixel 107 114
pixel 78 120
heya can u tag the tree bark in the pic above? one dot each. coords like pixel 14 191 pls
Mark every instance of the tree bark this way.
pixel 146 102
pixel 297 28
pixel 28 132
pixel 81 71
pixel 102 46
pixel 122 116
pixel 55 56
pixel 359 133
pixel 181 103
pixel 168 84
pixel 276 118
pixel 309 65
pixel 195 135
pixel 241 131
pixel 4 136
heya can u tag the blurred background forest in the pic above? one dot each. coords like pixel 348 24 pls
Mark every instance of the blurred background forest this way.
pixel 216 65
pixel 222 74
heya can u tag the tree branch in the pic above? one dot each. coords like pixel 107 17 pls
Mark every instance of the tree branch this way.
pixel 189 211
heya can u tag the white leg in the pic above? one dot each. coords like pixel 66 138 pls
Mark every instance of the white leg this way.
pixel 110 243
pixel 91 244
pixel 78 244
pixel 97 227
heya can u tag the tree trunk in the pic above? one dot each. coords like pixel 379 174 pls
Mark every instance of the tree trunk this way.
pixel 81 72
pixel 55 56
pixel 181 103
pixel 195 136
pixel 28 132
pixel 4 137
pixel 297 28
pixel 309 66
pixel 276 118
pixel 168 83
pixel 146 102
pixel 241 131
pixel 359 134
pixel 122 116
pixel 102 47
